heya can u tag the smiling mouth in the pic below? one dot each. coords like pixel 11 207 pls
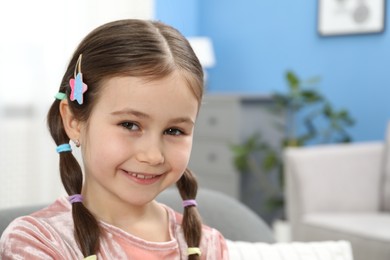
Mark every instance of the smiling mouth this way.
pixel 142 178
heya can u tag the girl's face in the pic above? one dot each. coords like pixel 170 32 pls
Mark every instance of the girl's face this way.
pixel 138 139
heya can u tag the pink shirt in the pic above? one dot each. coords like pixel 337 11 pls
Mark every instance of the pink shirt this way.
pixel 48 234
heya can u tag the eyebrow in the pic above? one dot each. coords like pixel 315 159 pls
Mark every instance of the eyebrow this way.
pixel 129 111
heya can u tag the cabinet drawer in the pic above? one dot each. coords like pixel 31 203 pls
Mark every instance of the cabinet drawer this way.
pixel 215 156
pixel 218 120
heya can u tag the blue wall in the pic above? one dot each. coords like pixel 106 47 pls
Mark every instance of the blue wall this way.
pixel 183 15
pixel 257 41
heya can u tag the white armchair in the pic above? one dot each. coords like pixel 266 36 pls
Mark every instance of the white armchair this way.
pixel 341 192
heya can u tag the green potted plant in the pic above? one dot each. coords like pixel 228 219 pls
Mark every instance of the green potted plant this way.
pixel 310 118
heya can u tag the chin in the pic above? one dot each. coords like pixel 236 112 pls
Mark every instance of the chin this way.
pixel 140 201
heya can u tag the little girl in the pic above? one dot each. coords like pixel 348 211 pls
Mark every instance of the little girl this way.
pixel 129 100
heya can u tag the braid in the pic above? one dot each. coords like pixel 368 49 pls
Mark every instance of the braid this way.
pixel 86 227
pixel 192 223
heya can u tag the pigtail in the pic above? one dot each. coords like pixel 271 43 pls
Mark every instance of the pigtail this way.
pixel 192 223
pixel 86 227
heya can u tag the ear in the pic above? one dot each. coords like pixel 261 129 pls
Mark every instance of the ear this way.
pixel 71 124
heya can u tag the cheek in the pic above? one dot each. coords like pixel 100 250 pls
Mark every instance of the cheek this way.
pixel 102 147
pixel 181 155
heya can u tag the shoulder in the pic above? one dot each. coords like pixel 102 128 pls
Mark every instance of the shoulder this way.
pixel 41 233
pixel 207 231
pixel 213 244
pixel 54 216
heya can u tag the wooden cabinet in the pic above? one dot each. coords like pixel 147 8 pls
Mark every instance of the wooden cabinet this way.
pixel 225 120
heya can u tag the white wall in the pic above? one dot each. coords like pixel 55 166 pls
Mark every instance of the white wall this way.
pixel 38 38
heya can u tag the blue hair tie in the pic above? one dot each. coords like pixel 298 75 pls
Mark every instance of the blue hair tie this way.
pixel 63 148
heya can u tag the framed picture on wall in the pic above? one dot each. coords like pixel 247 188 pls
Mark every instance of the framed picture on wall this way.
pixel 340 17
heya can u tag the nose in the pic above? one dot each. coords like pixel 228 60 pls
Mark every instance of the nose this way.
pixel 151 153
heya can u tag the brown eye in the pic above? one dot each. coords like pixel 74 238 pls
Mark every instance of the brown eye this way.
pixel 130 126
pixel 173 131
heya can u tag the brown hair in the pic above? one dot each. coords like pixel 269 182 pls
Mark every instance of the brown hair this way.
pixel 138 48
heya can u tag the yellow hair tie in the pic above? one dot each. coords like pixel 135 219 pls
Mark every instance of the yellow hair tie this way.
pixel 91 257
pixel 193 251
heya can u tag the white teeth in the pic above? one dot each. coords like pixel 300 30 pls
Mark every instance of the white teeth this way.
pixel 141 176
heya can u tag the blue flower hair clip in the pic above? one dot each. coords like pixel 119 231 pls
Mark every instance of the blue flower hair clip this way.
pixel 78 87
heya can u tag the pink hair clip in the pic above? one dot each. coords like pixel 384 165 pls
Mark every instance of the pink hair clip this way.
pixel 78 87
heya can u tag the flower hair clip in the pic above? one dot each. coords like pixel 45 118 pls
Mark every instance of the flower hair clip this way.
pixel 78 87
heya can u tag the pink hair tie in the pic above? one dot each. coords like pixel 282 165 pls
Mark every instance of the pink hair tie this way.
pixel 187 203
pixel 75 198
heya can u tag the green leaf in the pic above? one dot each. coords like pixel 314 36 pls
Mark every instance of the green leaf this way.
pixel 270 161
pixel 311 96
pixel 274 203
pixel 292 80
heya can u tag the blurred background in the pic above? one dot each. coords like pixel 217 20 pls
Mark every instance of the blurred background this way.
pixel 247 47
pixel 257 41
